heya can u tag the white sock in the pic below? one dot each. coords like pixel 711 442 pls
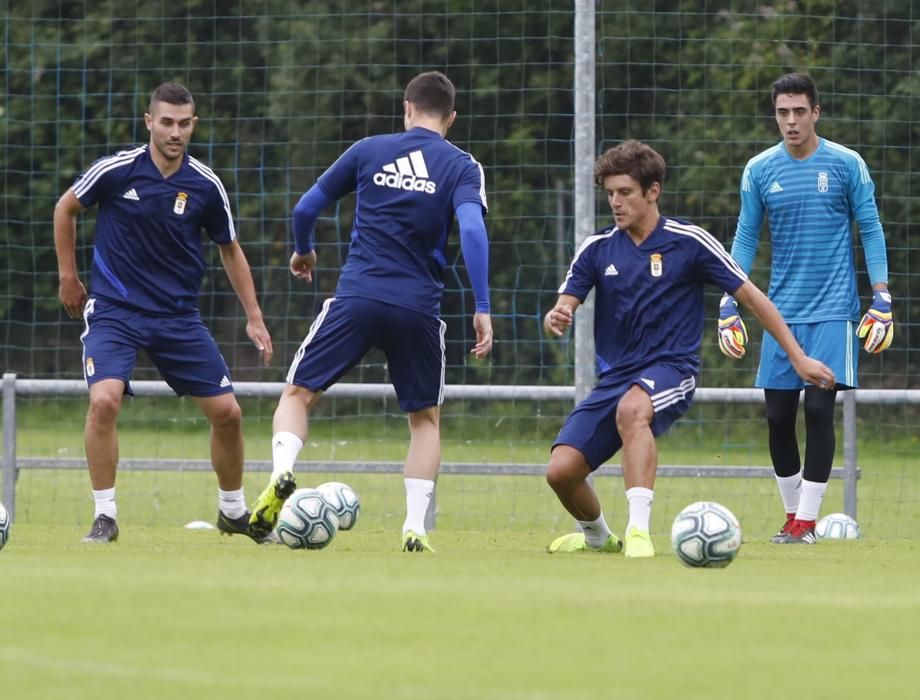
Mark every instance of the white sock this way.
pixel 285 448
pixel 810 503
pixel 790 490
pixel 105 503
pixel 231 503
pixel 418 496
pixel 640 507
pixel 596 531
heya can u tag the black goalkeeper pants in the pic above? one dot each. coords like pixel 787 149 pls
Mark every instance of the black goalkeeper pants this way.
pixel 820 440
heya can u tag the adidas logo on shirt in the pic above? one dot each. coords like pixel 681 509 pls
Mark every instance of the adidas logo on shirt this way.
pixel 132 195
pixel 225 381
pixel 775 187
pixel 650 383
pixel 611 271
pixel 408 173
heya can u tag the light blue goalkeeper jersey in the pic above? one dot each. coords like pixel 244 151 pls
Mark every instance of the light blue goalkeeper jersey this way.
pixel 811 205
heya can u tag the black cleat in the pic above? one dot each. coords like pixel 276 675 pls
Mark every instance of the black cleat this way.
pixel 104 529
pixel 236 526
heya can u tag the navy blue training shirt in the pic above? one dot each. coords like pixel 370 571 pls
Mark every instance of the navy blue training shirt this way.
pixel 147 251
pixel 649 298
pixel 407 187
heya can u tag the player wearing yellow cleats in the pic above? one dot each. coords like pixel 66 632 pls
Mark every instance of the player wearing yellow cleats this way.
pixel 267 506
pixel 413 542
pixel 638 544
pixel 576 542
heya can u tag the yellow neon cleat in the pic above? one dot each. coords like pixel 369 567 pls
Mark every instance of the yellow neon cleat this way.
pixel 411 542
pixel 267 506
pixel 639 544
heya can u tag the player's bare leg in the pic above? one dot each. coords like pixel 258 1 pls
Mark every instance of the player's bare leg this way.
pixel 100 435
pixel 226 418
pixel 420 472
pixel 289 431
pixel 567 475
pixel 100 440
pixel 640 464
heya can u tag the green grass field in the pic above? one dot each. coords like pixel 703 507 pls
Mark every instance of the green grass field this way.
pixel 173 613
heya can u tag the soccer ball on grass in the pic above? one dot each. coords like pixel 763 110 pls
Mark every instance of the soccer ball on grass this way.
pixel 5 521
pixel 344 502
pixel 706 534
pixel 307 521
pixel 837 526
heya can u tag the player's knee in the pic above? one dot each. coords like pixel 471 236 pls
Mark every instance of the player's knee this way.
pixel 426 419
pixel 228 417
pixel 820 411
pixel 562 473
pixel 779 416
pixel 632 415
pixel 103 409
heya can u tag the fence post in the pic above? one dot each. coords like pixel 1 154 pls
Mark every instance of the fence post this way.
pixel 10 473
pixel 850 466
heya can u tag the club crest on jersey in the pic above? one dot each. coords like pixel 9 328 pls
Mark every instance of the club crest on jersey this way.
pixel 90 367
pixel 656 265
pixel 179 206
pixel 823 182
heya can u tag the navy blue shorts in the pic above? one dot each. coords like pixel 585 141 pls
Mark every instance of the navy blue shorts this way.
pixel 347 328
pixel 181 347
pixel 592 427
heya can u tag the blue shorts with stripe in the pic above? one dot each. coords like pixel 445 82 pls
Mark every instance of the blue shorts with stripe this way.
pixel 346 328
pixel 592 427
pixel 832 342
pixel 181 347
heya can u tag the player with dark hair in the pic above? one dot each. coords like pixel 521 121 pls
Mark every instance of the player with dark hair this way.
pixel 648 272
pixel 148 266
pixel 812 190
pixel 409 187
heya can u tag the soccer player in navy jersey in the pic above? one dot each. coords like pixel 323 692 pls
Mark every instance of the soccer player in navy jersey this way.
pixel 153 202
pixel 648 273
pixel 409 188
pixel 812 190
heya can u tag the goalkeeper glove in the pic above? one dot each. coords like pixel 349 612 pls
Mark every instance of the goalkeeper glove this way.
pixel 877 326
pixel 732 333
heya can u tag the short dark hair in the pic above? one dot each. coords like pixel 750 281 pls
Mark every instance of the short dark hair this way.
pixel 795 84
pixel 172 93
pixel 634 158
pixel 431 93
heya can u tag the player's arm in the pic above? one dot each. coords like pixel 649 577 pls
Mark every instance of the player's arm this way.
pixel 877 324
pixel 306 212
pixel 765 311
pixel 237 267
pixel 71 291
pixel 732 332
pixel 560 317
pixel 474 242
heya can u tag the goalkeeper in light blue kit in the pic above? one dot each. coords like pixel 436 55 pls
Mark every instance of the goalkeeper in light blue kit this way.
pixel 648 273
pixel 812 190
pixel 409 188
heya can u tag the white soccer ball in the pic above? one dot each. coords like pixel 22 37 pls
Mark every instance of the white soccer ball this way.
pixel 837 526
pixel 706 534
pixel 5 522
pixel 343 500
pixel 307 521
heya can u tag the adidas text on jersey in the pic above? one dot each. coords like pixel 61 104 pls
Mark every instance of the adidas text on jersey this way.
pixel 410 174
